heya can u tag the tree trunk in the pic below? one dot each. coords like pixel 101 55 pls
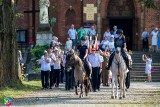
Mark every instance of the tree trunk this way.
pixel 8 46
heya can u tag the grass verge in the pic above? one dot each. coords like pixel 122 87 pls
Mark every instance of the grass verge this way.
pixel 27 86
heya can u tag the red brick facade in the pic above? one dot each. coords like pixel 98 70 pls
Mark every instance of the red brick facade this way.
pixel 63 10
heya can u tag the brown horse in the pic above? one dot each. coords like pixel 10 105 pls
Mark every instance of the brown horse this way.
pixel 79 73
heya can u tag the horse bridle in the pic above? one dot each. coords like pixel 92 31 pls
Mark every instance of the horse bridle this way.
pixel 118 62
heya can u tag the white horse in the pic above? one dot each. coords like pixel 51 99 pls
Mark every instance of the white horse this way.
pixel 119 71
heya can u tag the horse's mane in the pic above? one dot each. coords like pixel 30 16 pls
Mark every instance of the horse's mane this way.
pixel 78 61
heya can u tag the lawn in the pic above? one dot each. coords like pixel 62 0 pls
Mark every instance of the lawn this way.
pixel 27 87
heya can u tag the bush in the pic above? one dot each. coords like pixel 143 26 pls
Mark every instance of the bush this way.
pixel 38 51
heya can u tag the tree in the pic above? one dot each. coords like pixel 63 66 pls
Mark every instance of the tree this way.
pixel 8 45
pixel 150 4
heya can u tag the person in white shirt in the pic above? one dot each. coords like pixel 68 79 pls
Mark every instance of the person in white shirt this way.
pixel 104 43
pixel 114 33
pixel 68 45
pixel 53 59
pixel 95 61
pixel 57 67
pixel 107 34
pixel 45 69
pixel 111 44
pixel 154 35
pixel 73 35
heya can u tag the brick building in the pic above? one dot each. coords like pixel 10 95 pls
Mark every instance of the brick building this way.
pixel 129 15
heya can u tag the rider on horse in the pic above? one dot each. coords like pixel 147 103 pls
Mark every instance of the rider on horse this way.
pixel 119 42
pixel 83 52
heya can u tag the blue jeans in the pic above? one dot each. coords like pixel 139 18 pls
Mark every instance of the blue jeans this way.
pixel 74 42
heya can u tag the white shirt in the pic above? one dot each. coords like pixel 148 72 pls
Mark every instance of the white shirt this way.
pixel 68 45
pixel 111 45
pixel 44 65
pixel 87 43
pixel 57 63
pixel 104 43
pixel 72 33
pixel 94 60
pixel 108 35
pixel 53 57
pixel 101 59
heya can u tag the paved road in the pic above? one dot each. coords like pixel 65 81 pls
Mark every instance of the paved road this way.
pixel 139 94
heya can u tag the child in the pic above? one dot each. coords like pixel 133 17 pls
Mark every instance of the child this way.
pixel 111 44
pixel 87 41
pixel 68 46
pixel 148 60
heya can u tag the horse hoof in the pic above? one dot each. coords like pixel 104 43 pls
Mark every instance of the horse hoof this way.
pixel 116 97
pixel 124 96
pixel 120 97
pixel 112 97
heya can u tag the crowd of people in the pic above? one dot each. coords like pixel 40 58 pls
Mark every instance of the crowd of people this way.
pixel 153 36
pixel 87 47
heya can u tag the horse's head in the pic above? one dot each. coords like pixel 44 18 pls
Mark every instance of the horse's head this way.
pixel 118 50
pixel 70 59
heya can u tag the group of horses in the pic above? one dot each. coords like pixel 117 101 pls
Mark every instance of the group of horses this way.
pixel 118 68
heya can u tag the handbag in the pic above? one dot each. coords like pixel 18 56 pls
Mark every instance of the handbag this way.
pixel 152 69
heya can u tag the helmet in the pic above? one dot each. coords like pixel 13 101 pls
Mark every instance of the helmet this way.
pixel 119 31
pixel 83 38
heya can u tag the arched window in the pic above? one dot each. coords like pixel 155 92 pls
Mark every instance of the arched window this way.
pixel 70 17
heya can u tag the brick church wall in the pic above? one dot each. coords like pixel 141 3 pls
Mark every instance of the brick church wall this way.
pixel 59 8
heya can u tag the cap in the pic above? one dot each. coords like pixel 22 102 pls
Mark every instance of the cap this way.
pixel 114 26
pixel 112 36
pixel 83 38
pixel 119 31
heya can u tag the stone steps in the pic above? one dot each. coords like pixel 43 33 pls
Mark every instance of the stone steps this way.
pixel 138 67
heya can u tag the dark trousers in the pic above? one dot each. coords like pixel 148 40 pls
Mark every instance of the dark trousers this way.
pixel 68 80
pixel 72 78
pixel 44 79
pixel 94 78
pixel 99 78
pixel 128 80
pixel 51 76
pixel 145 44
pixel 61 74
pixel 57 72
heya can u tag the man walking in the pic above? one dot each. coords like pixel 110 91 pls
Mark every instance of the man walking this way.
pixel 73 35
pixel 145 35
pixel 95 61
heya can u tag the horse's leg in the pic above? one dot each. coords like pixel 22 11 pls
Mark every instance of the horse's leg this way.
pixel 121 87
pixel 76 88
pixel 81 94
pixel 113 80
pixel 116 84
pixel 86 86
pixel 124 86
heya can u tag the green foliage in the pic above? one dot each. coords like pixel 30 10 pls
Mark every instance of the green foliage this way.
pixel 0 2
pixel 149 4
pixel 19 15
pixel 38 51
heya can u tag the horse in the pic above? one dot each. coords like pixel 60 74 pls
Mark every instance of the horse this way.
pixel 79 73
pixel 119 72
